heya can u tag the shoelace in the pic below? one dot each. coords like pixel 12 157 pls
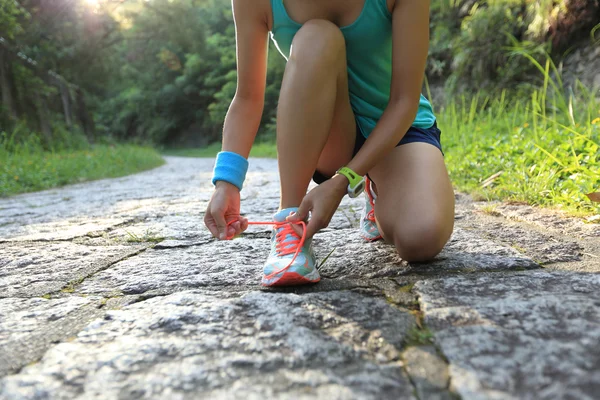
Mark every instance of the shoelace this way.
pixel 371 213
pixel 282 247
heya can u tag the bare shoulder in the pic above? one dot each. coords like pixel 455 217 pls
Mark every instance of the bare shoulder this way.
pixel 253 10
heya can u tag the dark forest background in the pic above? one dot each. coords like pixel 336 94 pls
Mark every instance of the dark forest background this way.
pixel 163 71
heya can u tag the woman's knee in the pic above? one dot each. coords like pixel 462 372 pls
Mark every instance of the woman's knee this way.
pixel 422 241
pixel 318 41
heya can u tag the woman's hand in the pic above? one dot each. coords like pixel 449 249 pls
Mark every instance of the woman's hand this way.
pixel 224 207
pixel 322 201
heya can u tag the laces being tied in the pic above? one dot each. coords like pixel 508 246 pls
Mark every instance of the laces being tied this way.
pixel 371 213
pixel 293 244
pixel 371 196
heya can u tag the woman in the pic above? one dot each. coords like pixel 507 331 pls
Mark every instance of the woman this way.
pixel 350 105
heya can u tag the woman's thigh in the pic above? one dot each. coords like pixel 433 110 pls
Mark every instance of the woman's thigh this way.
pixel 319 50
pixel 415 203
pixel 339 148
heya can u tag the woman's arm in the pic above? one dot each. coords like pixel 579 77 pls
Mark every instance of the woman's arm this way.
pixel 222 215
pixel 245 112
pixel 410 24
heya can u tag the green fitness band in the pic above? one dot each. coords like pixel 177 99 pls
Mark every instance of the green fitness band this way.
pixel 357 183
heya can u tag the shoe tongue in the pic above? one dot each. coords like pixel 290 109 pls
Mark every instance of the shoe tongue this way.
pixel 281 215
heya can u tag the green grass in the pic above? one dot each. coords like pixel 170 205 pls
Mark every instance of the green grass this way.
pixel 541 150
pixel 261 150
pixel 418 336
pixel 28 168
pixel 530 151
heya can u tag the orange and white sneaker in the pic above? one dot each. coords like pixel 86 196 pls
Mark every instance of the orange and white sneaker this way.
pixel 368 227
pixel 290 261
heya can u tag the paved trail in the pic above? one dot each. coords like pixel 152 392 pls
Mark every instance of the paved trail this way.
pixel 115 290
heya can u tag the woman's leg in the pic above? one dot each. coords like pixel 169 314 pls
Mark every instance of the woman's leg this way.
pixel 415 203
pixel 315 123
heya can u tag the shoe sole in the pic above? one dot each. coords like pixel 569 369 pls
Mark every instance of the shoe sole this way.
pixel 290 279
pixel 368 239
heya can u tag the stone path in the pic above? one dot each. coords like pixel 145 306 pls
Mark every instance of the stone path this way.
pixel 115 290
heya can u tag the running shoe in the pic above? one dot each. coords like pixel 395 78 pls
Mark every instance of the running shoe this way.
pixel 368 227
pixel 287 263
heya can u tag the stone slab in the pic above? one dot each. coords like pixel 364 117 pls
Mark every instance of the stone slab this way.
pixel 549 219
pixel 28 327
pixel 468 251
pixel 544 248
pixel 189 345
pixel 428 372
pixel 465 252
pixel 31 269
pixel 181 186
pixel 238 263
pixel 523 335
pixel 65 229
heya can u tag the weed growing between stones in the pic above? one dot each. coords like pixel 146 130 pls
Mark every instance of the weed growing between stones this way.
pixel 70 286
pixel 326 258
pixel 147 237
pixel 490 209
pixel 419 336
pixel 407 288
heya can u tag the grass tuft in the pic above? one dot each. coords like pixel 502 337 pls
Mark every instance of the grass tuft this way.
pixel 148 236
pixel 419 336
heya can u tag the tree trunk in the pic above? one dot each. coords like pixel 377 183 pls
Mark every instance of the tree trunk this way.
pixel 8 102
pixel 42 112
pixel 84 116
pixel 65 95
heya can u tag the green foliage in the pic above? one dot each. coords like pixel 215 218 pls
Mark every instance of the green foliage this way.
pixel 10 13
pixel 471 40
pixel 482 58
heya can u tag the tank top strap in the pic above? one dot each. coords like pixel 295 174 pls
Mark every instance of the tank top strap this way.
pixel 381 6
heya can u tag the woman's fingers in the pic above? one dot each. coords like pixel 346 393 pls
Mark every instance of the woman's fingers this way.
pixel 243 224
pixel 209 221
pixel 298 229
pixel 314 225
pixel 235 229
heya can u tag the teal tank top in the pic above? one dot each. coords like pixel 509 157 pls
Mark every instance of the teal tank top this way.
pixel 369 58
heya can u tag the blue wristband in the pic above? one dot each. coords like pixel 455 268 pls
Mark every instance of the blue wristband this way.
pixel 230 167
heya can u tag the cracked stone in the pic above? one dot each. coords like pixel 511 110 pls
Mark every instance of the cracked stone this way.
pixel 239 262
pixel 549 220
pixel 75 210
pixel 506 335
pixel 467 251
pixel 34 269
pixel 428 372
pixel 189 345
pixel 543 247
pixel 28 327
pixel 520 335
pixel 67 229
pixel 226 263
